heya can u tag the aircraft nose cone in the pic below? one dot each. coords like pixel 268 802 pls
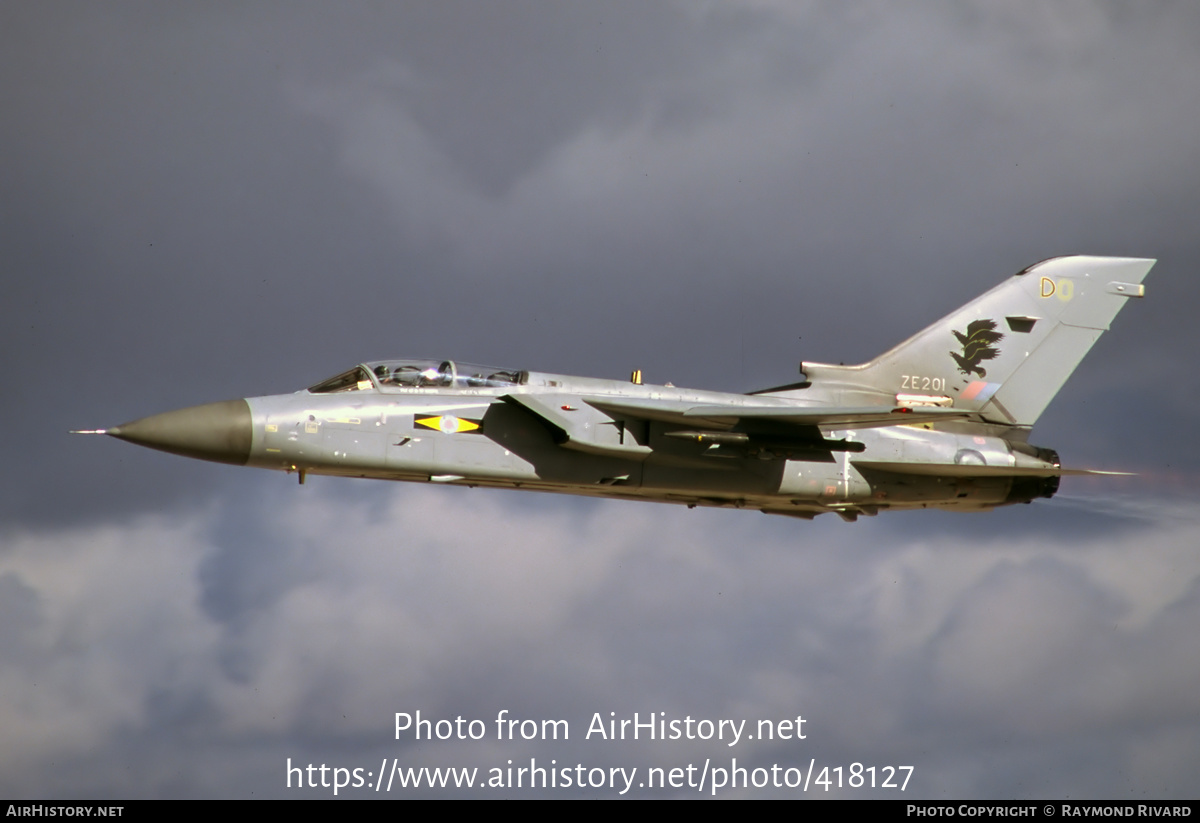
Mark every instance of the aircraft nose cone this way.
pixel 215 431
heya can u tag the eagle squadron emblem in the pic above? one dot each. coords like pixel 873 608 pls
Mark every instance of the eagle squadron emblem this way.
pixel 977 346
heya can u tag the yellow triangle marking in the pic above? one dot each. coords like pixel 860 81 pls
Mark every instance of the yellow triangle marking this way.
pixel 448 424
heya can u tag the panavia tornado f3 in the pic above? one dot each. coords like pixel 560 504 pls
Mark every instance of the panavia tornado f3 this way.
pixel 940 421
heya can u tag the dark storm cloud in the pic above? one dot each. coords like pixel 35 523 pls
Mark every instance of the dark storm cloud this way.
pixel 218 201
pixel 952 137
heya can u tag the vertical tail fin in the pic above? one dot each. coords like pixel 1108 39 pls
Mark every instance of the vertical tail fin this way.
pixel 1005 354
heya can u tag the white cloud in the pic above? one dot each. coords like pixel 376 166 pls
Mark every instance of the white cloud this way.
pixel 453 602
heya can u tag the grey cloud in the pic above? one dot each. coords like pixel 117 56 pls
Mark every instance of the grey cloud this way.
pixel 218 201
pixel 453 604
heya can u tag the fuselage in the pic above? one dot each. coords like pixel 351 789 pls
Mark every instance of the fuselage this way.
pixel 499 432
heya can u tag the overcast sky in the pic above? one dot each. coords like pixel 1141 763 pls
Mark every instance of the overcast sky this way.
pixel 217 200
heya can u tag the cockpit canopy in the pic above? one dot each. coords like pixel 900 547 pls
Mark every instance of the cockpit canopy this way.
pixel 398 375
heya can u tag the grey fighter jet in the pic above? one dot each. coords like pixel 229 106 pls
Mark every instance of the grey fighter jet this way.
pixel 940 421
